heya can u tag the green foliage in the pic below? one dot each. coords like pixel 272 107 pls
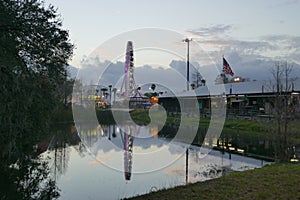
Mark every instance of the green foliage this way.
pixel 148 94
pixel 28 179
pixel 34 51
pixel 32 39
pixel 153 86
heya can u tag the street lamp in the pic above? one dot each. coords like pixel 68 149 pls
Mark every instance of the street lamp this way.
pixel 187 40
pixel 110 86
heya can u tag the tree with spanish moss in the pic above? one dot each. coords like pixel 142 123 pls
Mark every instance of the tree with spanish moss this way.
pixel 34 50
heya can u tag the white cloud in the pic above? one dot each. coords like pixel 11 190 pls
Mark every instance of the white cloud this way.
pixel 286 3
pixel 248 58
pixel 211 30
pixel 107 73
pixel 214 39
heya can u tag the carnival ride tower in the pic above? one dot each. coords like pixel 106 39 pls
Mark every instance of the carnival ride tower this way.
pixel 128 82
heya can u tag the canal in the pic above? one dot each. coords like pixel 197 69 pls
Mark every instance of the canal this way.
pixel 115 162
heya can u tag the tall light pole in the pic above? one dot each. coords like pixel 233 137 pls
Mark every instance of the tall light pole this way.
pixel 187 40
pixel 114 90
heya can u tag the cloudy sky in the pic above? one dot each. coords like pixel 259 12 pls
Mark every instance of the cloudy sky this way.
pixel 250 34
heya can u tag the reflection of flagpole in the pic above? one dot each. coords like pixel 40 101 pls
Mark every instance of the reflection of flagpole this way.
pixel 187 165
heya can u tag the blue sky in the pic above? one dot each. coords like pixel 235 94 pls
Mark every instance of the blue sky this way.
pixel 92 22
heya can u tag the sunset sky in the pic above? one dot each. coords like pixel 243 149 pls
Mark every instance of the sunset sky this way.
pixel 252 35
pixel 92 22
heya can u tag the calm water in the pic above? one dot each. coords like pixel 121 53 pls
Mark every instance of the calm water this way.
pixel 111 162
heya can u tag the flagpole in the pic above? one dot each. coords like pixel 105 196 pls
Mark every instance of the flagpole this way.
pixel 187 40
pixel 222 65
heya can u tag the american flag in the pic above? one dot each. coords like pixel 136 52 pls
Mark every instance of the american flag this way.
pixel 227 68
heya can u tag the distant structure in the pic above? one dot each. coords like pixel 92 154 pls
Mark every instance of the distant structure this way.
pixel 222 79
pixel 128 94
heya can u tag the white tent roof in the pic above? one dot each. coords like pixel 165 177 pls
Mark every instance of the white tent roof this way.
pixel 253 87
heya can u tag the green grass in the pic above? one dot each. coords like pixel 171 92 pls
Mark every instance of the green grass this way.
pixel 279 181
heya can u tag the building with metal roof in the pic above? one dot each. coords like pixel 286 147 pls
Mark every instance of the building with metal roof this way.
pixel 240 97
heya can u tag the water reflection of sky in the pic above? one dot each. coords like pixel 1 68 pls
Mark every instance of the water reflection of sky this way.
pixel 97 172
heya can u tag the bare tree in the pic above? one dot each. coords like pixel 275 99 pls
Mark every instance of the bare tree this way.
pixel 197 79
pixel 284 109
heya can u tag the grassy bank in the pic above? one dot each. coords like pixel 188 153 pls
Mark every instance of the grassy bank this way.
pixel 249 127
pixel 279 181
pixel 244 126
